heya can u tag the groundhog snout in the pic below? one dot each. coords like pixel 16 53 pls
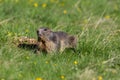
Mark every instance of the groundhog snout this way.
pixel 43 31
pixel 39 32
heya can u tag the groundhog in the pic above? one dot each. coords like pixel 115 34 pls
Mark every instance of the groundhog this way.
pixel 50 41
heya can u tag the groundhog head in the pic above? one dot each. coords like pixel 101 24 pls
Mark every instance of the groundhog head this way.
pixel 44 34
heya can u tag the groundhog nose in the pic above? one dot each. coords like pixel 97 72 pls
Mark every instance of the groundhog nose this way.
pixel 37 31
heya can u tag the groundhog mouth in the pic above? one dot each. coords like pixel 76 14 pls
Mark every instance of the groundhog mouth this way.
pixel 42 38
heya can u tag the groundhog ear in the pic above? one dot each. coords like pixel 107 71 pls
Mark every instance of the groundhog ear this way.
pixel 49 30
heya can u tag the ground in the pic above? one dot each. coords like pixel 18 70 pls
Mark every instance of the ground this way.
pixel 96 23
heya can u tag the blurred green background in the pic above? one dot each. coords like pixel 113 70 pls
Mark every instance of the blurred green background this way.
pixel 96 23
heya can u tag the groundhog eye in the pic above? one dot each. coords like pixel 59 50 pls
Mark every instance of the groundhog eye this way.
pixel 45 29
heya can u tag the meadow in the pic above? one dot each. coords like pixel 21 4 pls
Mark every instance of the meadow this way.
pixel 96 23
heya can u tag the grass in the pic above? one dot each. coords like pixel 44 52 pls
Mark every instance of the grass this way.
pixel 95 23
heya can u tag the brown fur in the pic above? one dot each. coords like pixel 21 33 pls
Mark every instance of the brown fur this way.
pixel 55 41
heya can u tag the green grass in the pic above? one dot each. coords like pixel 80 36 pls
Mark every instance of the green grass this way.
pixel 96 23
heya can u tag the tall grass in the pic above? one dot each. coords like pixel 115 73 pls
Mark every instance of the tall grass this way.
pixel 95 23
